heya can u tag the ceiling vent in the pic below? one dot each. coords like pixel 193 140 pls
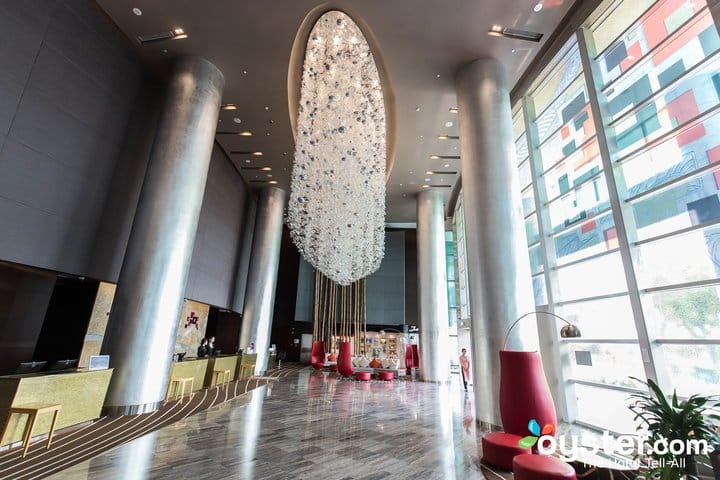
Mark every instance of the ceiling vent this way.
pixel 514 33
pixel 175 34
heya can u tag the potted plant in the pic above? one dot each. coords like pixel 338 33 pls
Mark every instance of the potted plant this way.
pixel 693 419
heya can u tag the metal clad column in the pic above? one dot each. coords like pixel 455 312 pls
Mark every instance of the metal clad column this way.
pixel 499 279
pixel 141 331
pixel 262 275
pixel 432 288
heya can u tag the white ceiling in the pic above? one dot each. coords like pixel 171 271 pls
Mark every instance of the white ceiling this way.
pixel 424 42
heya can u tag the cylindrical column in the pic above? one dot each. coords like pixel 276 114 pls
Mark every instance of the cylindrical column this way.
pixel 432 288
pixel 262 275
pixel 499 279
pixel 140 336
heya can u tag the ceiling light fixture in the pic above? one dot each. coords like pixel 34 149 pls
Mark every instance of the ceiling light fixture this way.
pixel 446 165
pixel 429 172
pixel 453 109
pixel 175 34
pixel 434 157
pixel 448 137
pixel 237 120
pixel 514 33
pixel 246 133
pixel 426 186
pixel 336 212
pixel 266 169
pixel 257 154
pixel 229 106
pixel 448 124
pixel 445 157
pixel 538 7
pixel 178 31
pixel 137 11
pixel 273 182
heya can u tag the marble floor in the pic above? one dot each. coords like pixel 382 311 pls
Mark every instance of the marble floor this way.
pixel 310 425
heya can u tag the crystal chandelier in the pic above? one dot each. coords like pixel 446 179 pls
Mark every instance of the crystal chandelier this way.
pixel 336 213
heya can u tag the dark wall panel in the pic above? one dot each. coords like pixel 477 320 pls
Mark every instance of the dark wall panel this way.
pixel 219 235
pixel 68 83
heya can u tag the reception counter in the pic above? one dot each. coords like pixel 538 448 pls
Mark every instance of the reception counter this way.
pixel 194 367
pixel 223 362
pixel 81 394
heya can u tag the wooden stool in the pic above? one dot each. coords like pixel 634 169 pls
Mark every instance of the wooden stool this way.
pixel 176 382
pixel 33 410
pixel 216 377
pixel 250 367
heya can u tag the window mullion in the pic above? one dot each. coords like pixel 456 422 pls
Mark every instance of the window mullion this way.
pixel 624 224
pixel 566 403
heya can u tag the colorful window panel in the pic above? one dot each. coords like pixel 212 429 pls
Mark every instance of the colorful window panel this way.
pixel 649 31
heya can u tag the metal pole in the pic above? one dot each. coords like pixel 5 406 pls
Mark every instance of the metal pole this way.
pixel 432 288
pixel 262 275
pixel 140 336
pixel 499 279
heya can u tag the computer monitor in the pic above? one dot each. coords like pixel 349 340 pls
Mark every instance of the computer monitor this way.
pixel 99 362
pixel 62 365
pixel 29 367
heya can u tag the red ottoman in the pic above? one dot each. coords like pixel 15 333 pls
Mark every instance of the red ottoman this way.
pixel 541 467
pixel 387 376
pixel 499 449
pixel 362 376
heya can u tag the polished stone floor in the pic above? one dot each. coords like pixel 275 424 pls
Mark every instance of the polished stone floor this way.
pixel 310 425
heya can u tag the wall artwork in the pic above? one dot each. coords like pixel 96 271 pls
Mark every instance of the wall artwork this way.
pixel 191 328
pixel 98 323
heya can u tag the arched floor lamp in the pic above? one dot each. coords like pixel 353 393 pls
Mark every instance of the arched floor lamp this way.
pixel 525 398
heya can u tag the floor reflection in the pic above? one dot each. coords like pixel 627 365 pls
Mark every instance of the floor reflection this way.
pixel 311 425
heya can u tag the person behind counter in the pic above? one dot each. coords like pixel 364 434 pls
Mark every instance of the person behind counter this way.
pixel 211 346
pixel 202 350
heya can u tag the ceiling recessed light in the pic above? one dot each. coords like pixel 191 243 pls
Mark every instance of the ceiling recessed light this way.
pixel 426 186
pixel 437 76
pixel 429 172
pixel 442 137
pixel 229 106
pixel 246 133
pixel 266 169
pixel 237 120
pixel 538 7
pixel 496 28
pixel 137 11
pixel 178 31
pixel 434 157
pixel 273 182
pixel 447 165
pixel 267 108
pixel 512 51
pixel 284 154
pixel 244 72
pixel 421 136
pixel 453 110
pixel 401 184
pixel 247 160
pixel 427 179
pixel 257 154
pixel 448 124
pixel 417 109
pixel 269 175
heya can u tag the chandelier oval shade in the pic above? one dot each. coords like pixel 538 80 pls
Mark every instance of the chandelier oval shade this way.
pixel 336 212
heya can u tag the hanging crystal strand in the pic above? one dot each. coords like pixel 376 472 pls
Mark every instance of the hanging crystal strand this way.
pixel 341 98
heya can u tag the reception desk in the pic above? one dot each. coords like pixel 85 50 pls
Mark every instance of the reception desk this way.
pixel 81 394
pixel 224 362
pixel 194 367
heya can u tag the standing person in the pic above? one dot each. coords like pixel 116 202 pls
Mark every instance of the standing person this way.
pixel 202 350
pixel 211 346
pixel 465 367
